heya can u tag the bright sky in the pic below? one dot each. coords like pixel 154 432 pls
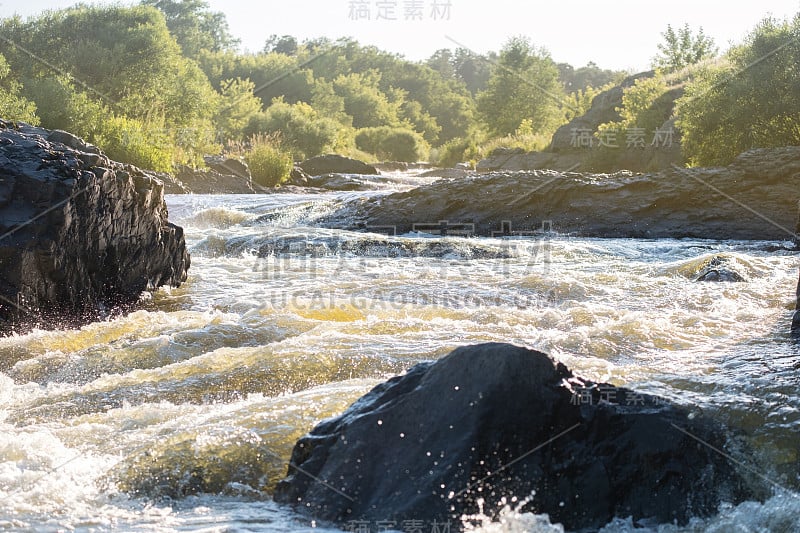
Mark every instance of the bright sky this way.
pixel 620 34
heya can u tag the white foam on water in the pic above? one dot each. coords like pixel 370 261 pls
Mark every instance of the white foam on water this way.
pixel 253 351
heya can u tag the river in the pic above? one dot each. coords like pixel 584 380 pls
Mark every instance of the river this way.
pixel 181 416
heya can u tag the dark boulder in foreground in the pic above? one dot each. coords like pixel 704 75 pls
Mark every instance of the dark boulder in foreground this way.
pixel 753 198
pixel 79 233
pixel 335 164
pixel 496 420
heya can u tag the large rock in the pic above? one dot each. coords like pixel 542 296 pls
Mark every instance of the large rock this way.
pixel 207 181
pixel 79 233
pixel 604 109
pixel 753 198
pixel 228 166
pixel 335 164
pixel 563 154
pixel 495 421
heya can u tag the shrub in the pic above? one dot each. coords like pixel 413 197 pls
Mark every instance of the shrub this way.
pixel 269 164
pixel 750 102
pixel 524 139
pixel 395 144
pixel 12 105
pixel 302 130
pixel 457 151
pixel 130 141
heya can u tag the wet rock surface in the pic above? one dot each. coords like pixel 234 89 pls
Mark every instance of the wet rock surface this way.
pixel 753 198
pixel 335 164
pixel 496 420
pixel 79 234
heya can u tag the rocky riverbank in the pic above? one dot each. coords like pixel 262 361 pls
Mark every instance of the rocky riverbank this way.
pixel 80 235
pixel 753 198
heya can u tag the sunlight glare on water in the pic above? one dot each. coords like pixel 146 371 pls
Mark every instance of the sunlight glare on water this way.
pixel 182 415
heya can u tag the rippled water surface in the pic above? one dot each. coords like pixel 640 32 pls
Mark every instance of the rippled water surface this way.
pixel 181 416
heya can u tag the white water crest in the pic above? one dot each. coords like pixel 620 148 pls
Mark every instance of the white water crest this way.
pixel 181 416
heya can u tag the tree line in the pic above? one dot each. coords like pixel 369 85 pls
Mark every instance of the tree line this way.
pixel 162 83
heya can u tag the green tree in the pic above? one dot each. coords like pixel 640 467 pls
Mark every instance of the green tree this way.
pixel 443 100
pixel 329 104
pixel 420 120
pixel 238 105
pixel 750 102
pixel 299 126
pixel 473 70
pixel 683 48
pixel 578 102
pixel 525 85
pixel 122 57
pixel 395 144
pixel 285 44
pixel 274 75
pixel 578 79
pixel 643 105
pixel 195 26
pixel 365 102
pixel 13 106
pixel 442 61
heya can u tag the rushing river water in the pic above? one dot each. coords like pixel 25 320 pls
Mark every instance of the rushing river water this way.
pixel 181 416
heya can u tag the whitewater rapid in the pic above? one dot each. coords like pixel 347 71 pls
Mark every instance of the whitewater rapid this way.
pixel 181 415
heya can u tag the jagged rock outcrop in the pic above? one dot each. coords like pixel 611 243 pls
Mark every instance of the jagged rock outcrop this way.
pixel 228 166
pixel 494 421
pixel 335 164
pixel 753 198
pixel 603 109
pixel 209 181
pixel 568 151
pixel 298 177
pixel 79 234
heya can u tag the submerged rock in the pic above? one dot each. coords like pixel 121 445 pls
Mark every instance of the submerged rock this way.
pixel 335 164
pixel 494 421
pixel 345 182
pixel 721 268
pixel 79 233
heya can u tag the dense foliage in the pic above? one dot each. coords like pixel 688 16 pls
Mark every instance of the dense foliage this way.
pixel 162 83
pixel 749 101
pixel 392 144
pixel 525 85
pixel 13 105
